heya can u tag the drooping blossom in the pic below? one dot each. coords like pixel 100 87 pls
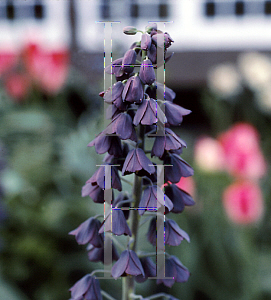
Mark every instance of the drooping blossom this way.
pixel 88 232
pixel 243 155
pixel 137 161
pixel 128 61
pixel 174 113
pixel 209 155
pixel 97 254
pixel 149 268
pixel 146 73
pixel 133 91
pixel 128 264
pixel 243 202
pixel 93 191
pixel 188 185
pixel 87 288
pixel 176 270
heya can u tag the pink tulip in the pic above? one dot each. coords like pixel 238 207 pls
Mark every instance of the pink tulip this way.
pixel 49 69
pixel 209 155
pixel 242 152
pixel 243 202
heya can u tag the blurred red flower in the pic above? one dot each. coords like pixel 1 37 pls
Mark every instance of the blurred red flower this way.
pixel 243 202
pixel 49 69
pixel 17 86
pixel 8 59
pixel 243 155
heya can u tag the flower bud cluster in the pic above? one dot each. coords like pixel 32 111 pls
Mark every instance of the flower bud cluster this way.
pixel 135 110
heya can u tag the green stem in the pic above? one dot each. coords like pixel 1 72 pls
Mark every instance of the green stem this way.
pixel 107 295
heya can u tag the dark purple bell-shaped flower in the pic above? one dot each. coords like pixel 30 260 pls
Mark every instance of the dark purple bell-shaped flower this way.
pixel 114 93
pixel 97 254
pixel 152 53
pixel 107 143
pixel 159 89
pixel 149 268
pixel 135 161
pixel 88 232
pixel 180 168
pixel 99 178
pixel 122 125
pixel 128 264
pixel 128 61
pixel 174 113
pixel 133 90
pixel 87 288
pixel 115 223
pixel 178 197
pixel 167 39
pixel 93 191
pixel 175 269
pixel 123 197
pixel 116 67
pixel 148 112
pixel 149 199
pixel 146 72
pixel 170 141
pixel 145 41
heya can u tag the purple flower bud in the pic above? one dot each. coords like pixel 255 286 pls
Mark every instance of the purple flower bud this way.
pixel 115 223
pixel 128 61
pixel 178 197
pixel 115 67
pixel 145 41
pixel 87 287
pixel 148 112
pixel 174 113
pixel 99 178
pixel 128 264
pixel 107 143
pixel 149 199
pixel 122 125
pixel 152 53
pixel 167 39
pixel 180 168
pixel 129 30
pixel 133 90
pixel 137 161
pixel 146 73
pixel 97 254
pixel 88 232
pixel 170 141
pixel 151 27
pixel 149 268
pixel 174 268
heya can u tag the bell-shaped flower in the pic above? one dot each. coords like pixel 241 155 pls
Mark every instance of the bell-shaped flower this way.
pixel 87 288
pixel 114 93
pixel 145 41
pixel 115 67
pixel 133 90
pixel 97 254
pixel 117 203
pixel 107 143
pixel 128 61
pixel 174 113
pixel 128 264
pixel 180 168
pixel 152 53
pixel 148 112
pixel 137 161
pixel 98 178
pixel 146 72
pixel 173 233
pixel 122 125
pixel 115 222
pixel 149 268
pixel 178 197
pixel 174 269
pixel 167 39
pixel 88 232
pixel 153 198
pixel 93 191
pixel 170 141
pixel 159 91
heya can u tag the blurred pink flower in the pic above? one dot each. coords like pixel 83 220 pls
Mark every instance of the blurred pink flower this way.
pixel 17 86
pixel 188 185
pixel 209 154
pixel 243 202
pixel 242 152
pixel 49 69
pixel 8 59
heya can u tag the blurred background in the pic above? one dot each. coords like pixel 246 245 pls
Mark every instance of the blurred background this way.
pixel 51 72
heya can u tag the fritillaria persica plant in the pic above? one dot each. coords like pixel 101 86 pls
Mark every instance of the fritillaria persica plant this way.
pixel 141 109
